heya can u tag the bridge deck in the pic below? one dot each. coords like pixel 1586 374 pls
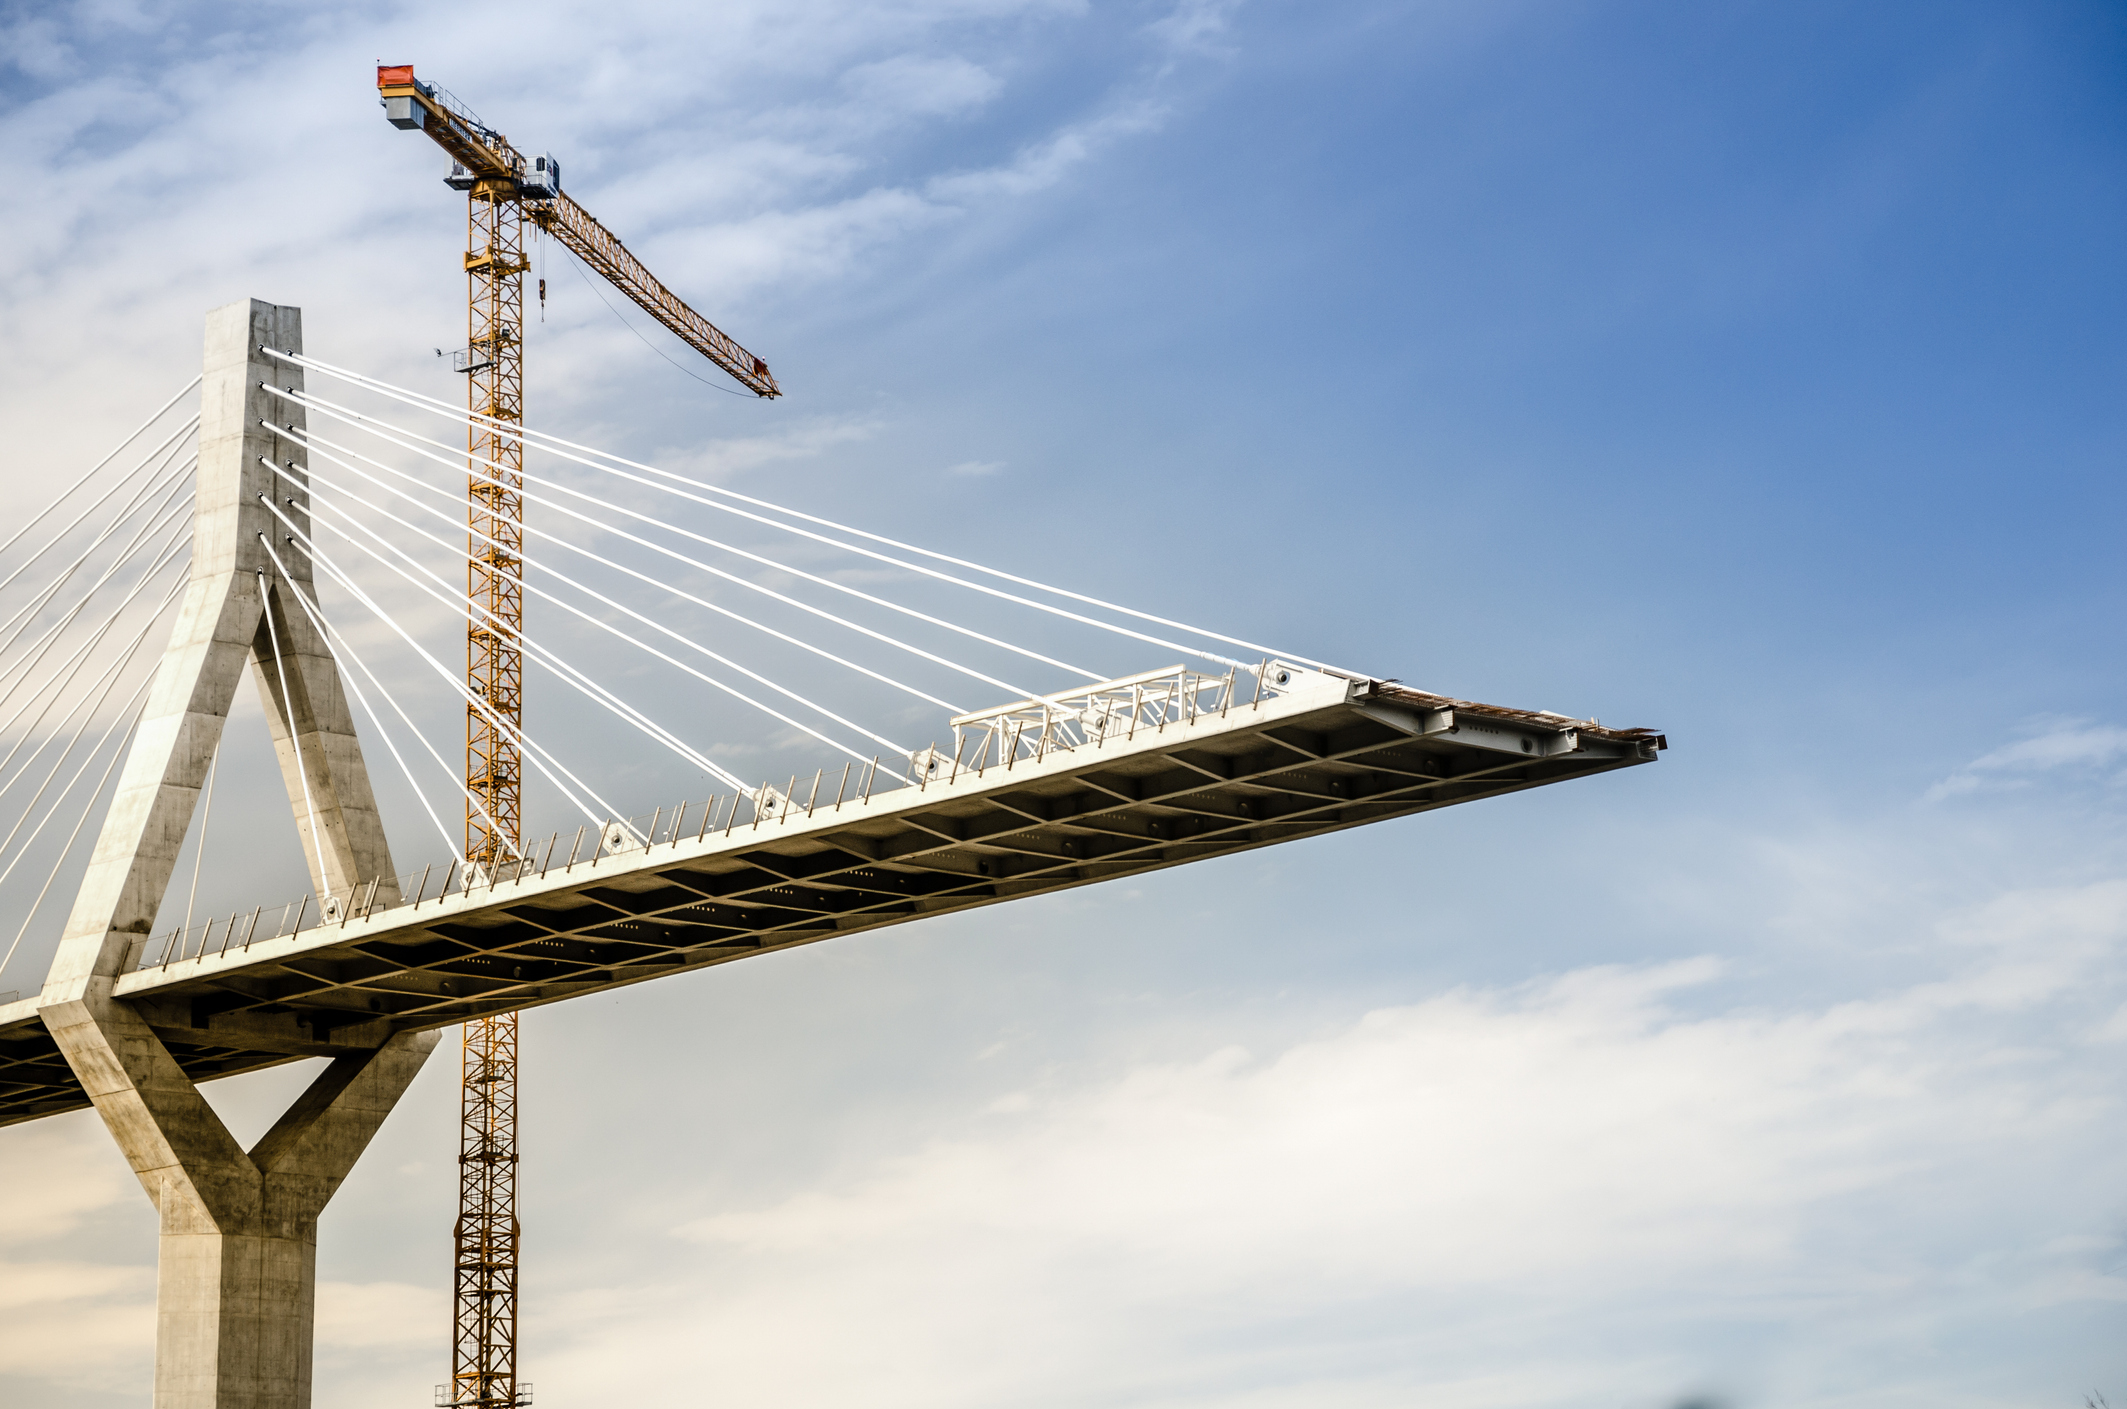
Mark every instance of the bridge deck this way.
pixel 1330 755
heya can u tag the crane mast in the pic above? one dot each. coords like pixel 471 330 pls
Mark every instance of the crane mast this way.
pixel 504 189
pixel 484 1329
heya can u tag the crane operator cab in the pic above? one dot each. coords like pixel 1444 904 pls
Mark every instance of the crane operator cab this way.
pixel 541 182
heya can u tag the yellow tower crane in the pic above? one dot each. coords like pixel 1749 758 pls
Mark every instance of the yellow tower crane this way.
pixel 503 190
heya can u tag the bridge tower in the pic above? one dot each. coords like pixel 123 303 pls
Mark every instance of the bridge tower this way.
pixel 237 1261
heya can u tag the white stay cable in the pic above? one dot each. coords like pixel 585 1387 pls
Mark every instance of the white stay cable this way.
pixel 550 767
pixel 137 432
pixel 333 633
pixel 946 705
pixel 545 655
pixel 464 608
pixel 126 711
pixel 88 810
pixel 64 677
pixel 295 739
pixel 85 712
pixel 199 853
pixel 164 479
pixel 548 442
pixel 903 563
pixel 539 757
pixel 22 667
pixel 330 637
pixel 456 458
pixel 454 602
pixel 178 492
pixel 85 703
pixel 444 594
pixel 99 502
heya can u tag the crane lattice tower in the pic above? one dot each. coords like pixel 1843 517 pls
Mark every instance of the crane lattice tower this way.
pixel 503 190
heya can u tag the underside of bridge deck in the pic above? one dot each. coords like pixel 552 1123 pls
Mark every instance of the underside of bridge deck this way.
pixel 1296 766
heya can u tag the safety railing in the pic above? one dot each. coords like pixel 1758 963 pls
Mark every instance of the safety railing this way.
pixel 1026 731
pixel 722 814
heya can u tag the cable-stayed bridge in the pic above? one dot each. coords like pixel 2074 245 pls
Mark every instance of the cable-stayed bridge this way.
pixel 959 757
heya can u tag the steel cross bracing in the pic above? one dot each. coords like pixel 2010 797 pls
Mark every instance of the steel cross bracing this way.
pixel 485 1238
pixel 484 1322
pixel 495 266
pixel 581 234
pixel 1325 755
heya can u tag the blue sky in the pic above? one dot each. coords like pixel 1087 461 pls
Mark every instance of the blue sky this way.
pixel 1748 371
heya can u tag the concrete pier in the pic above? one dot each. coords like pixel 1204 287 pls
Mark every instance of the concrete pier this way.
pixel 236 1272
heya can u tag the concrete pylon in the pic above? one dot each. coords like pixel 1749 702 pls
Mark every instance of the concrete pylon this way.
pixel 237 1266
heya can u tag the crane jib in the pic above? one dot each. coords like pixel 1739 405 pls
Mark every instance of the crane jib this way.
pixel 498 171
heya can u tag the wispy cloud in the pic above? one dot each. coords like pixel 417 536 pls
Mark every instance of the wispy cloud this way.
pixel 2064 746
pixel 1429 1197
pixel 1432 1201
pixel 356 1316
pixel 1196 25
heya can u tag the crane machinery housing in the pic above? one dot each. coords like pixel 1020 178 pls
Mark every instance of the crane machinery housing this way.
pixel 504 188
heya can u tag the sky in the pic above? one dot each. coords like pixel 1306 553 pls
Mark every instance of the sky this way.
pixel 1745 371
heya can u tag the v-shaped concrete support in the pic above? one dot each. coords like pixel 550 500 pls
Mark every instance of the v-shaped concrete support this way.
pixel 239 1229
pixel 236 1271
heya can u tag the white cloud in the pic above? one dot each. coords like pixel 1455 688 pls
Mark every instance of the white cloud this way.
pixel 728 458
pixel 30 1285
pixel 1042 164
pixel 80 1339
pixel 1694 1145
pixel 743 149
pixel 2059 746
pixel 58 1173
pixel 1196 24
pixel 80 1324
pixel 915 83
pixel 1434 1203
pixel 367 1315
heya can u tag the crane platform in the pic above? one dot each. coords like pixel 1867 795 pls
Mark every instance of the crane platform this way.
pixel 1108 781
